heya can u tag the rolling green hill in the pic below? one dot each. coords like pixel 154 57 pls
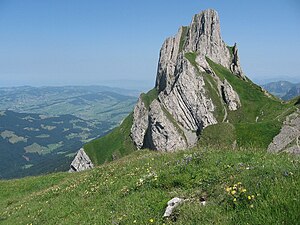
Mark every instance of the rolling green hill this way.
pixel 239 187
pixel 32 144
pixel 86 102
pixel 41 129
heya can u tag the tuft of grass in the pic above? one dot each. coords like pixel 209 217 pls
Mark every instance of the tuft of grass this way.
pixel 191 56
pixel 136 189
pixel 149 97
pixel 183 37
pixel 230 48
pixel 114 145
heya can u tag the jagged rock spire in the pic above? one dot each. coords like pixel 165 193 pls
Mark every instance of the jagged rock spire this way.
pixel 203 37
pixel 184 107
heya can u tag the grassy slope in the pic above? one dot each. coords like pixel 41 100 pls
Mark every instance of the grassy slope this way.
pixel 118 143
pixel 255 123
pixel 149 97
pixel 268 111
pixel 137 188
pixel 114 145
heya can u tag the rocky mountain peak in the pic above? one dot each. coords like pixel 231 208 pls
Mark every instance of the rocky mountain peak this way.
pixel 205 26
pixel 183 105
pixel 203 37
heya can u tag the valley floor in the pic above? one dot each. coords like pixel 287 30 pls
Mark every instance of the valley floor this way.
pixel 239 187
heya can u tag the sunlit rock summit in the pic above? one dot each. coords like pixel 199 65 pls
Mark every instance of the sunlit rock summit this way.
pixel 173 114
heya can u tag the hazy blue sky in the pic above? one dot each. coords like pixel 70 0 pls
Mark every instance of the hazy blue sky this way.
pixel 58 42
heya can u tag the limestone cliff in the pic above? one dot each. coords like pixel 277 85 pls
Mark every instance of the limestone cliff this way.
pixel 183 106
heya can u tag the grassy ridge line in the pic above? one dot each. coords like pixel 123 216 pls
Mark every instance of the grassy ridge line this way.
pixel 260 117
pixel 114 145
pixel 183 37
pixel 254 102
pixel 149 97
pixel 136 188
pixel 118 143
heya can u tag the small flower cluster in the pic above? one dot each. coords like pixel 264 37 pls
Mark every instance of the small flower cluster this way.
pixel 151 176
pixel 239 195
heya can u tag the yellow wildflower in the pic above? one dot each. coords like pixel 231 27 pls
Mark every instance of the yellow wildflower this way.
pixel 234 199
pixel 151 220
pixel 249 197
pixel 244 190
pixel 239 183
pixel 251 206
pixel 252 196
pixel 228 189
pixel 233 192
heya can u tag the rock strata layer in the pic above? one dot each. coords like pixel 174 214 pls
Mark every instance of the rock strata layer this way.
pixel 183 106
pixel 81 162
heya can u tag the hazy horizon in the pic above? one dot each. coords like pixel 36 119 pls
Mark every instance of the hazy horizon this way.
pixel 55 43
pixel 141 85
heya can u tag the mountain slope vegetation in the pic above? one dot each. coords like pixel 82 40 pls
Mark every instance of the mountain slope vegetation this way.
pixel 239 187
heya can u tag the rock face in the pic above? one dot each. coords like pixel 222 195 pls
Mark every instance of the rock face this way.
pixel 163 133
pixel 140 123
pixel 81 162
pixel 230 96
pixel 183 106
pixel 288 140
pixel 235 66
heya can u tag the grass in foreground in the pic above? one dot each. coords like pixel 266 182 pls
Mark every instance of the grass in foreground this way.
pixel 240 187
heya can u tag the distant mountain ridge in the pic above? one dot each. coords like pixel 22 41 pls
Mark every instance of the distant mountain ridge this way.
pixel 86 102
pixel 283 89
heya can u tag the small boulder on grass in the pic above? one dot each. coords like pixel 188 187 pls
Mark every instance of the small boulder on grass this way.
pixel 172 204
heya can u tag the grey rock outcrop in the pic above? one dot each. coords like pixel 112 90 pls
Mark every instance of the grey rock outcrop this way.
pixel 81 162
pixel 288 140
pixel 230 97
pixel 184 106
pixel 172 205
pixel 140 123
pixel 163 134
pixel 235 66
